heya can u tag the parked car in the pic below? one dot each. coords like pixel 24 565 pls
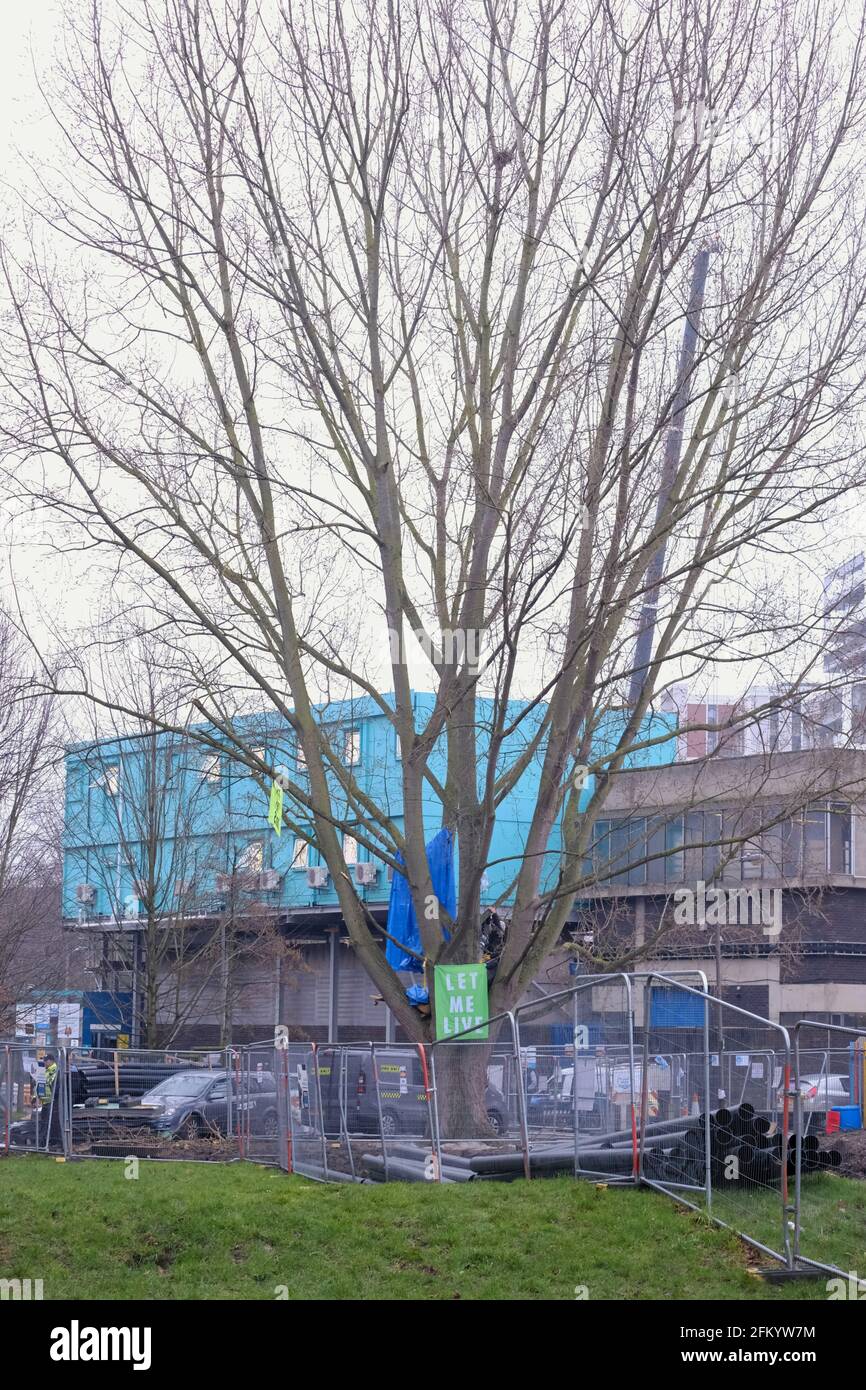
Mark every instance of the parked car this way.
pixel 402 1095
pixel 195 1104
pixel 821 1092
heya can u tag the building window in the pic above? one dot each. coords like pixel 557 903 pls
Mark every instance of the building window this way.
pixel 620 851
pixel 300 756
pixel 352 747
pixel 300 853
pixel 840 838
pixel 211 768
pixel 674 866
pixel 350 849
pixel 251 858
pixel 815 841
pixel 752 859
pixel 620 840
pixel 601 849
pixel 109 780
pixel 712 847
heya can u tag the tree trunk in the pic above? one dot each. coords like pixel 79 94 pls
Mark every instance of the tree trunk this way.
pixel 151 985
pixel 461 1091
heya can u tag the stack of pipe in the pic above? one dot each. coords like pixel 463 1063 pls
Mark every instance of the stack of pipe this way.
pixel 675 1151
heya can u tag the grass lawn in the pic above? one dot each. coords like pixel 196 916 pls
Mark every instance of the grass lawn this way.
pixel 191 1231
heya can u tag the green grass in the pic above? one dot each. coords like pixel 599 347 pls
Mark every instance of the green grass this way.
pixel 832 1218
pixel 187 1231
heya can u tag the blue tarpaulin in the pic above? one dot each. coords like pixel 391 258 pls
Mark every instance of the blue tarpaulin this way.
pixel 402 922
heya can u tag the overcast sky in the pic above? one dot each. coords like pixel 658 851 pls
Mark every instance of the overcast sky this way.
pixel 69 589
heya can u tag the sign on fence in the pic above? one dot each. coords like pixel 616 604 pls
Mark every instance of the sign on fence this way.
pixel 461 1000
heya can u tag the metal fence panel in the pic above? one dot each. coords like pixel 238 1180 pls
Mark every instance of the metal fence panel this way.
pixel 830 1212
pixel 350 1109
pixel 255 1118
pixel 478 1102
pixel 577 1068
pixel 164 1103
pixel 30 1102
pixel 726 1144
pixel 302 1122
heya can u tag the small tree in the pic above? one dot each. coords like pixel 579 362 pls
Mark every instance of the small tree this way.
pixel 32 951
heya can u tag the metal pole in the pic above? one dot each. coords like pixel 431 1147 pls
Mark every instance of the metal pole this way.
pixel 574 1083
pixel 229 1092
pixel 342 1096
pixel 434 1138
pixel 644 1081
pixel 319 1104
pixel 635 1167
pixel 521 1097
pixel 786 1239
pixel 670 463
pixel 66 1103
pixel 237 1074
pixel 436 1141
pixel 798 1143
pixel 375 1066
pixel 708 1176
pixel 288 1108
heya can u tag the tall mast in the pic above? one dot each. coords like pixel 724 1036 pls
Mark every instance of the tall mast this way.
pixel 670 463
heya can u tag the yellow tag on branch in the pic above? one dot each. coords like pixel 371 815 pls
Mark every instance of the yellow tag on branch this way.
pixel 275 809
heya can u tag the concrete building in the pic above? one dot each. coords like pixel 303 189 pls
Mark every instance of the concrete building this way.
pixel 790 823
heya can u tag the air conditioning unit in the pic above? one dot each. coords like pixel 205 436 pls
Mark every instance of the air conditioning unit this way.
pixel 317 877
pixel 85 893
pixel 366 873
pixel 269 880
pixel 224 883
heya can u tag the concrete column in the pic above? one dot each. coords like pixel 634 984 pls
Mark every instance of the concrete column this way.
pixel 333 980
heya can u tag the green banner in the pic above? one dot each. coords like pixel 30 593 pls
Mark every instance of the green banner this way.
pixel 461 1000
pixel 275 809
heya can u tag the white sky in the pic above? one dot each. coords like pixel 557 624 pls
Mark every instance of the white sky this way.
pixel 67 590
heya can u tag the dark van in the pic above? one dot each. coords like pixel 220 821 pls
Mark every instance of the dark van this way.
pixel 402 1093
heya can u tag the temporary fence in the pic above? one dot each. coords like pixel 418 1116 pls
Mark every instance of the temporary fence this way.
pixel 151 1103
pixel 641 1078
pixel 478 1102
pixel 577 1067
pixel 127 1103
pixel 254 1120
pixel 720 1152
pixel 30 1102
pixel 830 1227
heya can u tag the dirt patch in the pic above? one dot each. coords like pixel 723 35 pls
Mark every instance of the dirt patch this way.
pixel 852 1146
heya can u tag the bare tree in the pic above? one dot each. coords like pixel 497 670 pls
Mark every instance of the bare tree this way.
pixel 33 954
pixel 380 308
